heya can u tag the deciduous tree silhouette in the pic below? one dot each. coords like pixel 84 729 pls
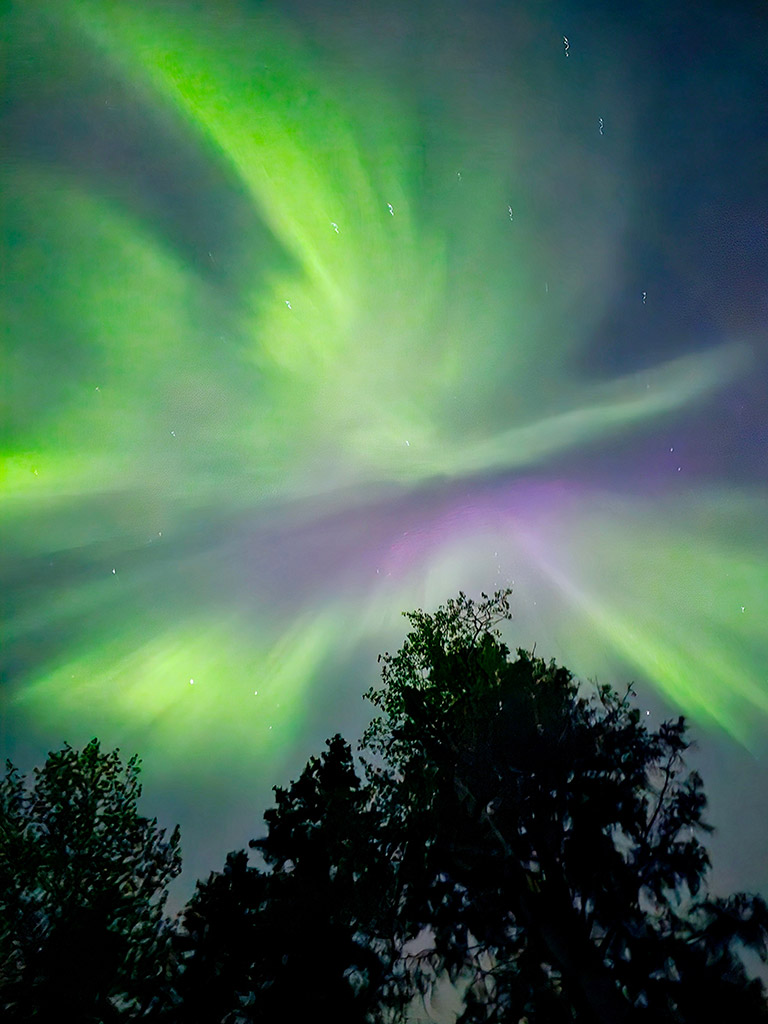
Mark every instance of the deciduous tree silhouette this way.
pixel 548 839
pixel 83 880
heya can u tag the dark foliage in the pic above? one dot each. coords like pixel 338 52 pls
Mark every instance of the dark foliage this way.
pixel 82 890
pixel 540 842
pixel 294 941
pixel 527 839
pixel 548 840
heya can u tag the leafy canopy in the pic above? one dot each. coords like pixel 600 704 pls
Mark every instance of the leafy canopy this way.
pixel 523 837
pixel 505 829
pixel 546 838
pixel 83 884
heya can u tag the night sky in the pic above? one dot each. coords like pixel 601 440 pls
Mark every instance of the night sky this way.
pixel 318 312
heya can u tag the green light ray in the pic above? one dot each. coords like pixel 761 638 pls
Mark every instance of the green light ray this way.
pixel 678 589
pixel 363 307
pixel 151 401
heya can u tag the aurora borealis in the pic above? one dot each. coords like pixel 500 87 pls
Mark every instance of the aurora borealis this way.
pixel 316 314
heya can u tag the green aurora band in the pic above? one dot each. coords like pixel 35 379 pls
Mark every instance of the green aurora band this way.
pixel 366 329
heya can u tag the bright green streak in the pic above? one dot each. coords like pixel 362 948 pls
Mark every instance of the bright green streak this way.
pixel 369 300
pixel 368 347
pixel 678 591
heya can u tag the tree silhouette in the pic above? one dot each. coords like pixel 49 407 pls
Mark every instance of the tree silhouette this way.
pixel 547 839
pixel 294 941
pixel 83 882
pixel 530 841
